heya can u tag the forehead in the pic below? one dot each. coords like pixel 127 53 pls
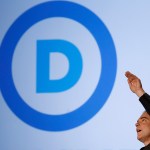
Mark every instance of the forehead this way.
pixel 145 115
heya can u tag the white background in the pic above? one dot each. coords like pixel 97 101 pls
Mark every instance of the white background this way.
pixel 112 128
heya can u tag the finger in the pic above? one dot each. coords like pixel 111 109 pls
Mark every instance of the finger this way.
pixel 130 76
pixel 127 73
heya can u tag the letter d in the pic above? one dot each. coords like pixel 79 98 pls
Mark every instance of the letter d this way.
pixel 44 48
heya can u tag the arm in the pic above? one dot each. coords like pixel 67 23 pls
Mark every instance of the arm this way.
pixel 145 100
pixel 136 87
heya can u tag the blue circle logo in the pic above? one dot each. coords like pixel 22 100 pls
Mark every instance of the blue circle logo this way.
pixel 108 71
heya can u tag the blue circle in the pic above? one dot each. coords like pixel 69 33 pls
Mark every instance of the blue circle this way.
pixel 108 71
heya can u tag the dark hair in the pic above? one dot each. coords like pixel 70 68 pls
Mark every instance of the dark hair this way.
pixel 146 112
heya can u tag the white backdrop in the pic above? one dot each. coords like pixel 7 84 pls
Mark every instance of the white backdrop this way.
pixel 113 127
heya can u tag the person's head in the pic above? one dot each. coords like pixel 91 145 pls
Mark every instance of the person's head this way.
pixel 143 128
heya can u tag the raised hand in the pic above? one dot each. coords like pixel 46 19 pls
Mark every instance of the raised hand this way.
pixel 134 84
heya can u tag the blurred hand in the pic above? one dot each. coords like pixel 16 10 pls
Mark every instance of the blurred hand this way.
pixel 134 84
